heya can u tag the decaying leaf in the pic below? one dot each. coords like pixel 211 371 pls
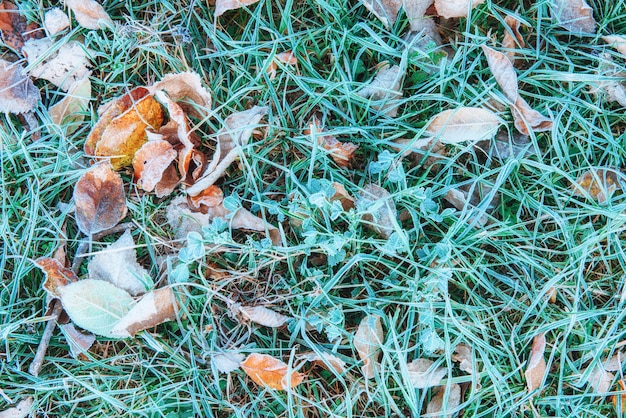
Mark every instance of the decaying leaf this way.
pixel 436 405
pixel 117 264
pixel 463 356
pixel 99 198
pixel 614 364
pixel 66 66
pixel 153 169
pixel 21 410
pixel 55 21
pixel 70 112
pixel 598 183
pixel 227 362
pixel 56 274
pixel 385 10
pixel 600 379
pixel 574 15
pixel 367 341
pixel 261 315
pixel 423 33
pixel 469 196
pixel 618 42
pixel 89 14
pixel 95 305
pixel 326 360
pixel 536 369
pixel 340 152
pixel 464 124
pixel 619 401
pixel 184 88
pixel 455 8
pixel 270 372
pixel 222 6
pixel 415 11
pixel 231 138
pixel 208 198
pixel 609 85
pixel 523 115
pixel 17 93
pixel 512 37
pixel 78 341
pixel 423 374
pixel 286 57
pixel 13 26
pixel 385 90
pixel 342 195
pixel 152 309
pixel 383 214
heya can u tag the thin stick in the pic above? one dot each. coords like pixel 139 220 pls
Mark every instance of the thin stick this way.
pixel 35 366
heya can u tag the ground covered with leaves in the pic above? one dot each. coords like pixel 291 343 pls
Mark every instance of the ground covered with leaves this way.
pixel 278 208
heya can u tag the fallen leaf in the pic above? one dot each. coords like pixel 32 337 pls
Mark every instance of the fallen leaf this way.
pixel 536 369
pixel 287 58
pixel 185 87
pixel 117 264
pixel 463 356
pixel 609 84
pixel 57 275
pixel 423 375
pixel 512 37
pixel 99 198
pixel 464 124
pixel 222 6
pixel 152 309
pixel 436 404
pixel 78 341
pixel 270 372
pixel 17 93
pixel 523 115
pixel 455 8
pixel 231 138
pixel 381 209
pixel 385 10
pixel 620 404
pixel 14 28
pixel 227 362
pixel 614 364
pixel 63 67
pixel 55 21
pixel 385 89
pixel 340 152
pixel 342 195
pixel 95 305
pixel 598 183
pixel 469 196
pixel 618 42
pixel 21 410
pixel 208 198
pixel 262 315
pixel 574 15
pixel 152 165
pixel 326 360
pixel 600 379
pixel 70 112
pixel 423 33
pixel 89 14
pixel 367 341
pixel 415 11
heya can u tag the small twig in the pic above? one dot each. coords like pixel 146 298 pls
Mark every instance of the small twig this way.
pixel 35 366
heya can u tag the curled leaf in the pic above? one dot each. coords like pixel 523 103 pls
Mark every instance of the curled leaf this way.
pixel 599 183
pixel 326 360
pixel 17 93
pixel 100 200
pixel 385 90
pixel 342 195
pixel 185 87
pixel 69 64
pixel 270 372
pixel 463 356
pixel 57 275
pixel 574 15
pixel 512 37
pixel 78 341
pixel 152 309
pixel 367 341
pixel 151 165
pixel 423 375
pixel 263 316
pixel 464 124
pixel 455 8
pixel 381 209
pixel 536 369
pixel 340 152
pixel 210 197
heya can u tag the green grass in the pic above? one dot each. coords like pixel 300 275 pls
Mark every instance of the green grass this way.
pixel 486 287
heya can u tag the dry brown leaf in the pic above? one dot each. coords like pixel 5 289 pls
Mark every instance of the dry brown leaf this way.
pixel 326 360
pixel 600 379
pixel 78 341
pixel 423 375
pixel 455 8
pixel 185 87
pixel 14 28
pixel 340 152
pixel 423 33
pixel 620 403
pixel 385 90
pixel 17 93
pixel 261 315
pixel 55 21
pixel 89 14
pixel 436 404
pixel 618 42
pixel 609 85
pixel 66 66
pixel 287 58
pixel 153 308
pixel 56 275
pixel 574 15
pixel 463 356
pixel 208 198
pixel 70 112
pixel 599 183
pixel 151 164
pixel 385 10
pixel 342 195
pixel 222 6
pixel 231 138
pixel 367 341
pixel 523 115
pixel 415 11
pixel 383 219
pixel 99 198
pixel 614 364
pixel 270 372
pixel 21 410
pixel 512 37
pixel 469 196
pixel 464 124
pixel 536 369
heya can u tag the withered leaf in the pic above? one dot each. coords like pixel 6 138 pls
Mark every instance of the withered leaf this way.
pixel 70 112
pixel 186 86
pixel 152 309
pixel 367 341
pixel 286 57
pixel 463 356
pixel 619 401
pixel 262 315
pixel 99 198
pixel 464 124
pixel 13 26
pixel 536 369
pixel 78 341
pixel 270 372
pixel 21 410
pixel 385 10
pixel 455 8
pixel 599 183
pixel 227 362
pixel 415 11
pixel 222 6
pixel 17 93
pixel 55 21
pixel 385 90
pixel 342 195
pixel 326 360
pixel 150 165
pixel 340 152
pixel 382 219
pixel 512 37
pixel 69 64
pixel 56 274
pixel 210 197
pixel 618 42
pixel 600 379
pixel 89 14
pixel 423 375
pixel 436 405
pixel 574 15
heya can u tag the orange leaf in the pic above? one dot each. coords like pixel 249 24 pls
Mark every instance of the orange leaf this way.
pixel 270 372
pixel 56 274
pixel 536 369
pixel 151 165
pixel 622 396
pixel 13 26
pixel 210 197
pixel 99 198
pixel 340 152
pixel 600 183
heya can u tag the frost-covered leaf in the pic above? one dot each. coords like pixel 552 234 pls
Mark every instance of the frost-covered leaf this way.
pixel 183 88
pixel 326 360
pixel 21 410
pixel 70 112
pixel 340 152
pixel 600 379
pixel 17 93
pixel 262 315
pixel 598 183
pixel 415 11
pixel 55 21
pixel 464 124
pixel 222 6
pixel 463 356
pixel 95 305
pixel 118 265
pixel 78 341
pixel 455 8
pixel 512 37
pixel 152 309
pixel 609 84
pixel 574 15
pixel 89 13
pixel 383 215
pixel 423 374
pixel 385 90
pixel 385 10
pixel 63 68
pixel 14 28
pixel 227 362
pixel 618 42
pixel 100 200
pixel 153 169
pixel 57 275
pixel 614 364
pixel 367 341
pixel 270 372
pixel 536 368
pixel 436 405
